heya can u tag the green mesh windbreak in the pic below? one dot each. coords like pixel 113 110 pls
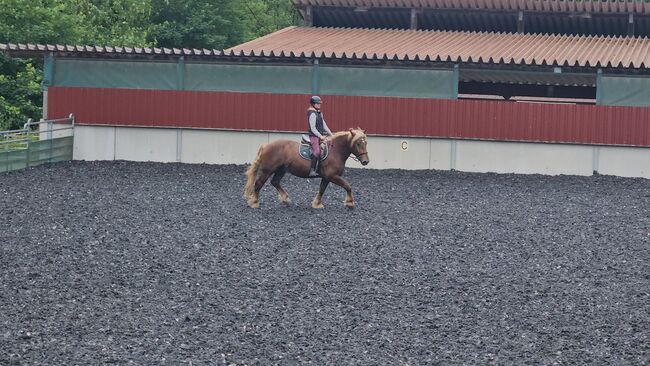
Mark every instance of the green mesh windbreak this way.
pixel 624 91
pixel 38 152
pixel 115 74
pixel 249 78
pixel 255 78
pixel 356 81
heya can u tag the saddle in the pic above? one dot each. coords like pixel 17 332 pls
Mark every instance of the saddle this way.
pixel 304 148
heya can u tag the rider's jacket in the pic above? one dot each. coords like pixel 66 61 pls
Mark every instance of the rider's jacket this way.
pixel 319 122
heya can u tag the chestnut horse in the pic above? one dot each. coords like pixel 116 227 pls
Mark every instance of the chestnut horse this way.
pixel 281 156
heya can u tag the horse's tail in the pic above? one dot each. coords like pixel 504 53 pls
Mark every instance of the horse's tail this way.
pixel 252 172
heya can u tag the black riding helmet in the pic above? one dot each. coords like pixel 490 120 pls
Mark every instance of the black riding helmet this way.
pixel 315 100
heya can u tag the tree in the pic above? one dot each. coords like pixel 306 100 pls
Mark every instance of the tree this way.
pixel 102 22
pixel 20 92
pixel 115 22
pixel 135 23
pixel 216 24
pixel 195 23
pixel 267 16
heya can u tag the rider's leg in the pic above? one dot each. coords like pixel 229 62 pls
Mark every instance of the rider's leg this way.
pixel 315 148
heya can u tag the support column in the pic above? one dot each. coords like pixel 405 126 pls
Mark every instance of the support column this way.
pixel 309 16
pixel 599 95
pixel 180 73
pixel 414 19
pixel 630 24
pixel 456 81
pixel 48 79
pixel 520 22
pixel 180 85
pixel 315 78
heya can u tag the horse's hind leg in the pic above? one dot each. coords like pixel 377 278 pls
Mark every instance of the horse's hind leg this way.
pixel 253 199
pixel 283 196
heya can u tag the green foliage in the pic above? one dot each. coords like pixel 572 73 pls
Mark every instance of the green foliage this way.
pixel 114 22
pixel 20 92
pixel 194 23
pixel 39 21
pixel 135 23
pixel 216 23
pixel 266 16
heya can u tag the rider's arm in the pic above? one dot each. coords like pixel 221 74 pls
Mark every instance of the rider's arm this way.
pixel 327 129
pixel 312 125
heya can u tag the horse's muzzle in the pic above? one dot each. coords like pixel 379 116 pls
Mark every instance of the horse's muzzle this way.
pixel 365 162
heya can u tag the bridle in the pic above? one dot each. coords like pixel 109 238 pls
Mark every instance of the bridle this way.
pixel 358 157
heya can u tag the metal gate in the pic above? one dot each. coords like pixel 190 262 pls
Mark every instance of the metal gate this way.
pixel 44 141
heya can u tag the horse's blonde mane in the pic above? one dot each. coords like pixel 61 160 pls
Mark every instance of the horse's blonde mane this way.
pixel 358 132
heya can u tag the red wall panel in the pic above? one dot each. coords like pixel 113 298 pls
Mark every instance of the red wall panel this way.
pixel 467 119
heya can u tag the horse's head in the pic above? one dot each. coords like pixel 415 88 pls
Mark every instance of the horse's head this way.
pixel 359 145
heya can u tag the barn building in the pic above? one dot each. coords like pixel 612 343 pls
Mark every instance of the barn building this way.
pixel 527 86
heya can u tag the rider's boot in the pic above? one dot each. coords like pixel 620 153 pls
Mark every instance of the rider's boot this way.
pixel 313 171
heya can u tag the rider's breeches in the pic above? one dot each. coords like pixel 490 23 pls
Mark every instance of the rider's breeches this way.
pixel 315 146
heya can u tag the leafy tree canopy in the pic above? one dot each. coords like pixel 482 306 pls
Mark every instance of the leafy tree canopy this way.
pixel 135 23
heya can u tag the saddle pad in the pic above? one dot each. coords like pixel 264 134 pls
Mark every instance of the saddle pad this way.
pixel 305 151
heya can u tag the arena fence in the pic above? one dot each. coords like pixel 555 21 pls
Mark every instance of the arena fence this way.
pixel 38 142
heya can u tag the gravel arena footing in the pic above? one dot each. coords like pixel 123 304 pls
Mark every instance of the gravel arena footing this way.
pixel 149 263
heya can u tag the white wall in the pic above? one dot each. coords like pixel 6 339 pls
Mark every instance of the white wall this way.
pixel 525 158
pixel 94 143
pixel 623 161
pixel 235 147
pixel 220 147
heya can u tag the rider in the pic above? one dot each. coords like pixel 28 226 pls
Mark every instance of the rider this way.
pixel 317 129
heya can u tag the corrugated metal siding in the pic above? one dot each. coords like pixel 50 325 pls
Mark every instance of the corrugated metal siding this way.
pixel 464 119
pixel 170 108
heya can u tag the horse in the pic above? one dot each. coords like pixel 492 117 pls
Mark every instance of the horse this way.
pixel 281 156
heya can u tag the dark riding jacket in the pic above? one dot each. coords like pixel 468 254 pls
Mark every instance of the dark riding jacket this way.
pixel 316 125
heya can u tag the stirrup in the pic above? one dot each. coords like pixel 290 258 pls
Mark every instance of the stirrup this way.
pixel 313 170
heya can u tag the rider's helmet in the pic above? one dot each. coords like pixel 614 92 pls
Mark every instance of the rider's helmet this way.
pixel 315 99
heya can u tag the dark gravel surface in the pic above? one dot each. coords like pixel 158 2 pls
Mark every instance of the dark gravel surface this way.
pixel 150 264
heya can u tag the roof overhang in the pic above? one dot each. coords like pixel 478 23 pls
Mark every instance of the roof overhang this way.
pixel 481 57
pixel 564 6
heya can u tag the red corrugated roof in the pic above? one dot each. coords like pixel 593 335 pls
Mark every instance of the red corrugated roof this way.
pixel 598 6
pixel 461 47
pixel 404 45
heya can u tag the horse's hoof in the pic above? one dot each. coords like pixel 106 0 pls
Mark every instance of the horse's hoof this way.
pixel 253 204
pixel 284 200
pixel 349 205
pixel 317 205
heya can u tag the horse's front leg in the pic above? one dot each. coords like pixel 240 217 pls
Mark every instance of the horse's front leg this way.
pixel 339 181
pixel 317 202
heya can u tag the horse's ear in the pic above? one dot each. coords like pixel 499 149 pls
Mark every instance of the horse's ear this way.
pixel 351 131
